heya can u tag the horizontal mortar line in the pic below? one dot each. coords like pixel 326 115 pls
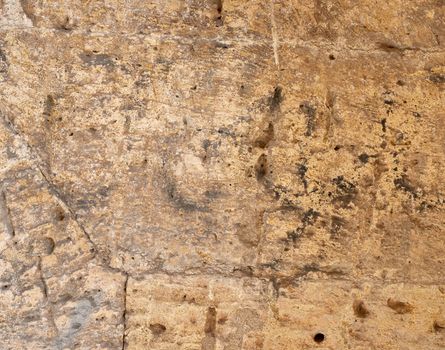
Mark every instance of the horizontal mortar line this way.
pixel 316 45
pixel 141 275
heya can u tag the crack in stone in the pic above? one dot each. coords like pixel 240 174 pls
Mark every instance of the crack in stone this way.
pixel 275 43
pixel 42 279
pixel 55 191
pixel 37 160
pixel 209 340
pixel 44 286
pixel 124 314
pixel 5 215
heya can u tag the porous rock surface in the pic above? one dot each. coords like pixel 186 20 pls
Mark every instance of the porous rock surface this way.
pixel 208 174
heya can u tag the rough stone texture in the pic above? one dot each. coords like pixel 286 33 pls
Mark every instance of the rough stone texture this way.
pixel 222 174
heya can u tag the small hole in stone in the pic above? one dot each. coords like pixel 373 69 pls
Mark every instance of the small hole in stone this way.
pixel 331 57
pixel 60 216
pixel 319 337
pixel 157 328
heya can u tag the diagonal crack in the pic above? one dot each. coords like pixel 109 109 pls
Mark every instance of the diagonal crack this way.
pixel 55 191
pixel 39 163
pixel 40 166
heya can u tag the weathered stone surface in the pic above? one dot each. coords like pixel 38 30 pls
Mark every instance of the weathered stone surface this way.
pixel 211 174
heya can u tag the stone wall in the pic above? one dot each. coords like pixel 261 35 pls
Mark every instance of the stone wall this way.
pixel 222 174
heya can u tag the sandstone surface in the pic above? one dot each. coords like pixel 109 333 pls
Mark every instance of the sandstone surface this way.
pixel 222 174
